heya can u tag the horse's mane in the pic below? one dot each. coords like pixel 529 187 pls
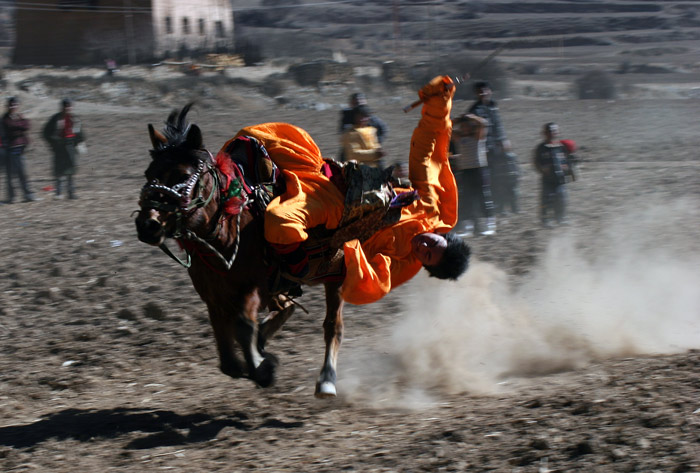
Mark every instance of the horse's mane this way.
pixel 177 126
pixel 175 132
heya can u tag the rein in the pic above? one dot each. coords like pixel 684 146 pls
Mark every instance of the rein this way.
pixel 183 206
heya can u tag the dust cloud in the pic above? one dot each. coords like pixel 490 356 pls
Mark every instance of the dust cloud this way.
pixel 632 288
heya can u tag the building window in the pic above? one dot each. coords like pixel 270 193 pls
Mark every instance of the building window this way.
pixel 185 25
pixel 202 26
pixel 168 25
pixel 220 32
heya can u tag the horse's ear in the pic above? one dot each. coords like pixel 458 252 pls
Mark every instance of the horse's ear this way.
pixel 157 138
pixel 194 137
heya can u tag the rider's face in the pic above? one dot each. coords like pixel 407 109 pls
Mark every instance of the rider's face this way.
pixel 428 248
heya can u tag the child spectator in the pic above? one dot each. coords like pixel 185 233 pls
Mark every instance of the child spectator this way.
pixel 551 162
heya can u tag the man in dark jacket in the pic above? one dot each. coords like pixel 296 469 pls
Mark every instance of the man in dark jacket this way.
pixel 63 132
pixel 15 140
pixel 497 145
pixel 2 148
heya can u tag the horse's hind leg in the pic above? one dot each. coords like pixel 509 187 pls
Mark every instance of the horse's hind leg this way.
pixel 333 334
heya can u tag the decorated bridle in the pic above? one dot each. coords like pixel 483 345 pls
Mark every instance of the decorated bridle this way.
pixel 182 206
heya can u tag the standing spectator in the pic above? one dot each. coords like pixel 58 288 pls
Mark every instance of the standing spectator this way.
pixel 15 140
pixel 551 162
pixel 63 132
pixel 2 149
pixel 111 66
pixel 347 120
pixel 497 145
pixel 360 142
pixel 470 167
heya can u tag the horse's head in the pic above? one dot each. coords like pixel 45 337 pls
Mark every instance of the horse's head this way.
pixel 174 188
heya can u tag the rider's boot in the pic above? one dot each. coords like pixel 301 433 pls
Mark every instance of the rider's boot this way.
pixel 293 258
pixel 294 261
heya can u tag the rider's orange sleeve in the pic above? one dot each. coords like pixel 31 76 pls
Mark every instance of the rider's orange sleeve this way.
pixel 382 262
pixel 365 281
pixel 371 274
pixel 429 169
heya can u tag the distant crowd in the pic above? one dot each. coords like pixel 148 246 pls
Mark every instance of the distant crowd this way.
pixel 485 168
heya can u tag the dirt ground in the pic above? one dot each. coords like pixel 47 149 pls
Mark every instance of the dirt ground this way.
pixel 568 349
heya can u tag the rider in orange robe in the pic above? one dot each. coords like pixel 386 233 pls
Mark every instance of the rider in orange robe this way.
pixel 395 253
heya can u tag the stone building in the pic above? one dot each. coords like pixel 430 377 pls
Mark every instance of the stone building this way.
pixel 74 32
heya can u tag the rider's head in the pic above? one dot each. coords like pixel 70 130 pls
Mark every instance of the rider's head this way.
pixel 443 256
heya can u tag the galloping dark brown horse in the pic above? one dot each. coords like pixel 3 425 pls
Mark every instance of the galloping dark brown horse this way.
pixel 217 218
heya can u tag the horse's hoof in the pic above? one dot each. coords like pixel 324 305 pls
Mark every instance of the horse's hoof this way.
pixel 325 390
pixel 265 372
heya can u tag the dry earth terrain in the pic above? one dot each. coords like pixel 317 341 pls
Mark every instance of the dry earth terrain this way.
pixel 567 349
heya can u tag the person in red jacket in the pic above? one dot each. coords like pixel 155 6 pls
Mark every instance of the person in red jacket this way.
pixel 64 133
pixel 15 140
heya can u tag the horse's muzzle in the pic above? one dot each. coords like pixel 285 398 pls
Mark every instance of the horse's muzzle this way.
pixel 149 228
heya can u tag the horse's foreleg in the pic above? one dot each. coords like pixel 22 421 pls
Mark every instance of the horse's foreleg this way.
pixel 333 334
pixel 229 363
pixel 261 367
pixel 281 308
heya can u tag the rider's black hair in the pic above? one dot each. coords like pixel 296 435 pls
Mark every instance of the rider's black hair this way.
pixel 454 261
